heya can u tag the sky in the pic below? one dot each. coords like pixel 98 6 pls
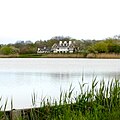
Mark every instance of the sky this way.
pixel 43 19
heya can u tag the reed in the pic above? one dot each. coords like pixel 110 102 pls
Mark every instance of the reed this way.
pixel 65 55
pixel 71 55
pixel 109 56
pixel 99 101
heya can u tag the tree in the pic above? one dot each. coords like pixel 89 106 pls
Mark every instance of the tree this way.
pixel 113 46
pixel 6 50
pixel 100 47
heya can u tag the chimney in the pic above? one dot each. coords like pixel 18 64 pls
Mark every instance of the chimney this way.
pixel 70 42
pixel 38 49
pixel 60 43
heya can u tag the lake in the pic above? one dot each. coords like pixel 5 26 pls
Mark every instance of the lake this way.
pixel 21 77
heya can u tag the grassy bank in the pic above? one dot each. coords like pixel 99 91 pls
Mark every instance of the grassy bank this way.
pixel 92 103
pixel 73 55
pixel 104 56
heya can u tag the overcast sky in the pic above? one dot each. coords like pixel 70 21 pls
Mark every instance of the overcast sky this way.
pixel 42 19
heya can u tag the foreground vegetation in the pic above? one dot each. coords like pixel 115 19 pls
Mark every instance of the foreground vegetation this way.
pixel 95 102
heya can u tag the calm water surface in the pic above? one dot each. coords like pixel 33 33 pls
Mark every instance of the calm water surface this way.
pixel 20 78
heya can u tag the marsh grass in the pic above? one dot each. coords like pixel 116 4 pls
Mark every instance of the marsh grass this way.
pixel 92 103
pixel 108 55
pixel 70 55
pixel 65 55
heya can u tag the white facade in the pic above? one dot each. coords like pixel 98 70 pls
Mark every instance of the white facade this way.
pixel 63 47
pixel 61 50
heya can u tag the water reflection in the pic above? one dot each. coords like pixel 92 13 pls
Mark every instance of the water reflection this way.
pixel 12 79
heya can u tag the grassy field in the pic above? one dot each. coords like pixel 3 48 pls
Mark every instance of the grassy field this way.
pixel 92 103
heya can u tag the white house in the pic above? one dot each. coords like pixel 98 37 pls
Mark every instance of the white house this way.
pixel 63 47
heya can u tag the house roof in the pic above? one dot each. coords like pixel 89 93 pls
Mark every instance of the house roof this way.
pixel 55 46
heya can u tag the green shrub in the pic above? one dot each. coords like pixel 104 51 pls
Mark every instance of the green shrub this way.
pixel 7 50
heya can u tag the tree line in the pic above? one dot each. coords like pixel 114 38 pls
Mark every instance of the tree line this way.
pixel 109 45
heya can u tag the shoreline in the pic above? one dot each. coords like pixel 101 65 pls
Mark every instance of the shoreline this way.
pixel 72 55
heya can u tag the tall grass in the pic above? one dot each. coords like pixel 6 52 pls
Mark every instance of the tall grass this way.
pixel 108 55
pixel 99 101
pixel 66 55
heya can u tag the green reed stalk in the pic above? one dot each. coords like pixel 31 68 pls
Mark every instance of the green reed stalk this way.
pixel 100 101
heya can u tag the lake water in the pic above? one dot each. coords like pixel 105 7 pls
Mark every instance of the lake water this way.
pixel 20 78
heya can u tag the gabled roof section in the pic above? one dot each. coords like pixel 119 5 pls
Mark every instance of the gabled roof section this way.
pixel 54 46
pixel 71 45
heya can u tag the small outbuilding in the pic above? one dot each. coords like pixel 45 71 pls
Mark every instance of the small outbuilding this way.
pixel 43 50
